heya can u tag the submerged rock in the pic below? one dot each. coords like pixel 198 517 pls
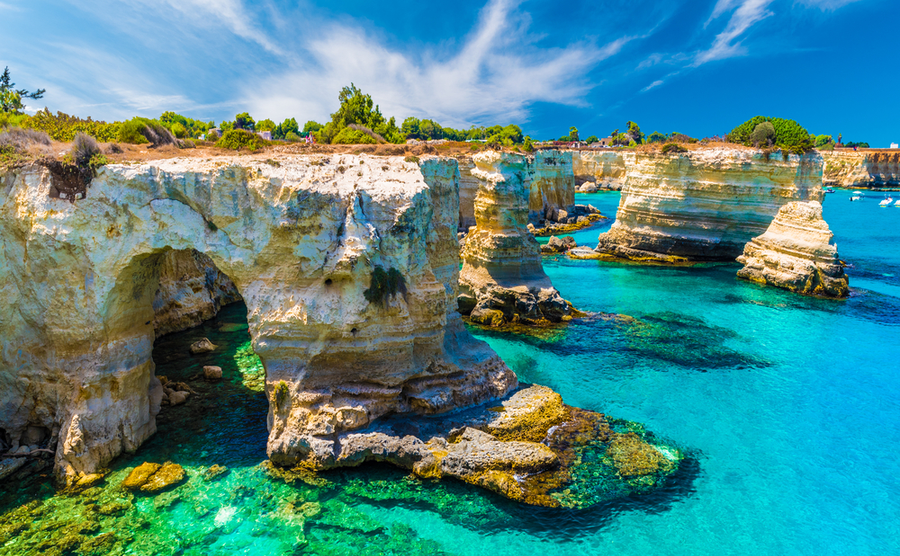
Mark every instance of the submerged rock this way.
pixel 212 373
pixel 153 477
pixel 202 346
pixel 796 253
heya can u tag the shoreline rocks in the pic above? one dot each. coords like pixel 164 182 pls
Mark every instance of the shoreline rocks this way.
pixel 862 169
pixel 796 253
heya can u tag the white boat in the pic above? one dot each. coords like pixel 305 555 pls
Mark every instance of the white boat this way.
pixel 888 201
pixel 855 197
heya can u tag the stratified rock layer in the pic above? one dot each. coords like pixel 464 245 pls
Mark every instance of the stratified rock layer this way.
pixel 796 253
pixel 502 279
pixel 304 243
pixel 705 205
pixel 552 185
pixel 468 188
pixel 191 290
pixel 607 169
pixel 862 169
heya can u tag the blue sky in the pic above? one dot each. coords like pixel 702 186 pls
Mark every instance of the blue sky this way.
pixel 698 67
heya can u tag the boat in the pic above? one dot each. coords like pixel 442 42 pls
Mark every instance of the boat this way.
pixel 829 190
pixel 888 201
pixel 855 197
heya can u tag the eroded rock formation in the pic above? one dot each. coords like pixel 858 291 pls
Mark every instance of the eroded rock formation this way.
pixel 705 205
pixel 468 188
pixel 191 290
pixel 796 253
pixel 552 186
pixel 304 243
pixel 502 279
pixel 862 169
pixel 606 169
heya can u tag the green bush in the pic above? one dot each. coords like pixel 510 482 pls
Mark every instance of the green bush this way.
pixel 178 130
pixel 384 284
pixel 63 127
pixel 237 139
pixel 348 136
pixel 281 394
pixel 292 137
pixel 139 131
pixel 673 148
pixel 789 135
pixel 763 135
pixel 84 148
pixel 656 137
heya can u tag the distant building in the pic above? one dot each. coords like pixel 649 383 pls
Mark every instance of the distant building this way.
pixel 267 135
pixel 895 146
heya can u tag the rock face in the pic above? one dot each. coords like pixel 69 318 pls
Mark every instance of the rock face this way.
pixel 468 188
pixel 191 290
pixel 796 253
pixel 552 185
pixel 502 279
pixel 607 169
pixel 348 266
pixel 862 169
pixel 705 205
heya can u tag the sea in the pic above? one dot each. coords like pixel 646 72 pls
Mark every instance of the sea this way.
pixel 787 408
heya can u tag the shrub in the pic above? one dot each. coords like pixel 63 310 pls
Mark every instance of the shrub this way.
pixel 237 139
pixel 412 158
pixel 673 148
pixel 139 131
pixel 763 134
pixel 350 136
pixel 17 139
pixel 788 133
pixel 528 146
pixel 84 147
pixel 656 137
pixel 384 284
pixel 63 127
pixel 292 137
pixel 281 394
pixel 179 130
pixel 212 136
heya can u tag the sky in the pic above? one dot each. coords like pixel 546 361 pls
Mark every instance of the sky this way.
pixel 698 67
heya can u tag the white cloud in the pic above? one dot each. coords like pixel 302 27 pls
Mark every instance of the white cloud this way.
pixel 748 13
pixel 653 85
pixel 827 5
pixel 493 77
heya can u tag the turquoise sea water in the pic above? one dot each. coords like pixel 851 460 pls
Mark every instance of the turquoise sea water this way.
pixel 787 406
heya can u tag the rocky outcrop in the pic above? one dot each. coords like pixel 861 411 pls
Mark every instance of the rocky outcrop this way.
pixel 862 169
pixel 191 290
pixel 606 169
pixel 348 266
pixel 552 186
pixel 468 188
pixel 705 205
pixel 796 253
pixel 502 279
pixel 527 448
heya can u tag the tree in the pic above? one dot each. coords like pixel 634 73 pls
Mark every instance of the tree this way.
pixel 11 98
pixel 265 125
pixel 311 127
pixel 573 134
pixel 763 135
pixel 592 139
pixel 656 137
pixel 244 121
pixel 634 133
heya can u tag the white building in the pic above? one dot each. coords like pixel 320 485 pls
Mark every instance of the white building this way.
pixel 895 146
pixel 267 135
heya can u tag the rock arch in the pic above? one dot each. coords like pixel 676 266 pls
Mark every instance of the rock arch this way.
pixel 301 241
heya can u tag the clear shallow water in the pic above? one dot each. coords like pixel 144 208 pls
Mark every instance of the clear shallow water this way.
pixel 788 406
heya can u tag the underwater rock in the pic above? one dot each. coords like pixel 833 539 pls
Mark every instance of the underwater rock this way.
pixel 153 477
pixel 796 253
pixel 214 472
pixel 178 397
pixel 202 346
pixel 140 475
pixel 705 205
pixel 211 372
pixel 634 457
pixel 502 280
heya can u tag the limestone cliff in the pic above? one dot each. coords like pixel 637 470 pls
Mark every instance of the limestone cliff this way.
pixel 552 184
pixel 705 205
pixel 347 264
pixel 862 169
pixel 607 169
pixel 502 279
pixel 191 290
pixel 468 188
pixel 796 253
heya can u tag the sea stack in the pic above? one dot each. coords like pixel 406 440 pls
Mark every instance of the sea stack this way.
pixel 705 205
pixel 502 279
pixel 796 253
